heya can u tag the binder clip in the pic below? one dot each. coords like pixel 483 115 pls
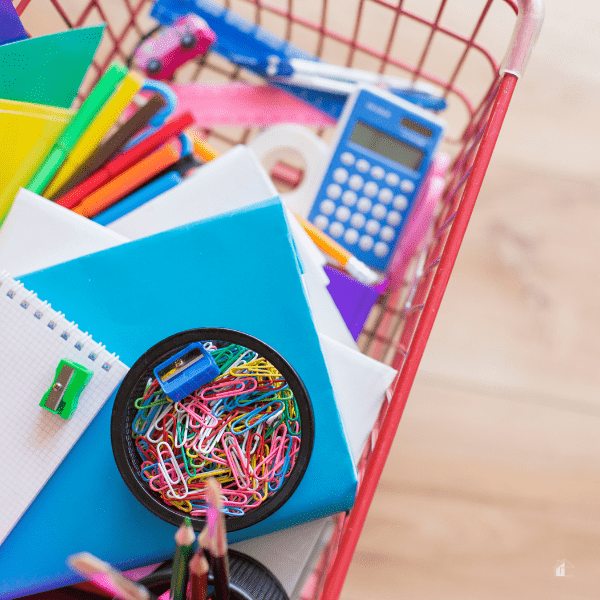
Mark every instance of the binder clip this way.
pixel 69 381
pixel 186 371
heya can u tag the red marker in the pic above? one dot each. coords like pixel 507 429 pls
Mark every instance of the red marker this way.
pixel 125 160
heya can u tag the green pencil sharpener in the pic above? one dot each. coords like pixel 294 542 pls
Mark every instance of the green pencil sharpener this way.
pixel 69 381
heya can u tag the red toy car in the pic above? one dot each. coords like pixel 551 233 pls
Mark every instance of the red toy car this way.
pixel 187 38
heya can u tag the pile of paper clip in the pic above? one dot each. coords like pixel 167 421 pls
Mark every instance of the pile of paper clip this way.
pixel 243 428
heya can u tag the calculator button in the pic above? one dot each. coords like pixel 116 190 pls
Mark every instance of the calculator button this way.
pixel 342 213
pixel 400 202
pixel 336 229
pixel 362 165
pixel 365 243
pixel 347 158
pixel 364 205
pixel 381 249
pixel 351 236
pixel 379 211
pixel 340 175
pixel 356 182
pixel 387 233
pixel 349 198
pixel 372 227
pixel 377 172
pixel 385 195
pixel 394 218
pixel 370 189
pixel 357 220
pixel 334 191
pixel 321 221
pixel 392 179
pixel 407 186
pixel 327 207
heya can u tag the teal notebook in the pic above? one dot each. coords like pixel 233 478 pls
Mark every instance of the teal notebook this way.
pixel 238 271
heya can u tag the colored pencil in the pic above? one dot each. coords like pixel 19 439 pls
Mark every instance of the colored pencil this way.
pixel 198 576
pixel 108 579
pixel 184 538
pixel 218 539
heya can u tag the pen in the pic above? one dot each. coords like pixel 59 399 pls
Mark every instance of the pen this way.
pixel 348 261
pixel 97 129
pixel 114 143
pixel 127 181
pixel 333 79
pixel 300 66
pixel 88 110
pixel 202 148
pixel 126 160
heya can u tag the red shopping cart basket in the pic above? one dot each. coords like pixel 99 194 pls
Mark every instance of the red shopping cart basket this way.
pixel 455 46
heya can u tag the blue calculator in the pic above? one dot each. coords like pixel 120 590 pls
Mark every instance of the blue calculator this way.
pixel 381 152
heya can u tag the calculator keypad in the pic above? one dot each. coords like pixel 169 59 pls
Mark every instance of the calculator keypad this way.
pixel 363 207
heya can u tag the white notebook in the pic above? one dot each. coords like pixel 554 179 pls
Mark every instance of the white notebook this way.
pixel 34 441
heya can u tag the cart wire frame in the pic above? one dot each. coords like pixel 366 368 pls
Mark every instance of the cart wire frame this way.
pixel 399 325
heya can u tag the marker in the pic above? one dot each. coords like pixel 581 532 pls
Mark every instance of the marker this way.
pixel 96 130
pixel 136 199
pixel 348 261
pixel 127 181
pixel 84 116
pixel 113 145
pixel 123 162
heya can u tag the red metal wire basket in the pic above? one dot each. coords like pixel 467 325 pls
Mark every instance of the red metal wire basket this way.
pixel 456 46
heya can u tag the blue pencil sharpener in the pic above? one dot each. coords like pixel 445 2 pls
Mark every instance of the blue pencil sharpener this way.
pixel 186 371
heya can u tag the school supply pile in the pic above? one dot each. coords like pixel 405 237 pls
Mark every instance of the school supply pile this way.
pixel 358 382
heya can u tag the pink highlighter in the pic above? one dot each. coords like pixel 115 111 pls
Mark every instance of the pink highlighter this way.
pixel 419 220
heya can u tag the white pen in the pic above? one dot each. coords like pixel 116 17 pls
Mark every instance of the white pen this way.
pixel 296 69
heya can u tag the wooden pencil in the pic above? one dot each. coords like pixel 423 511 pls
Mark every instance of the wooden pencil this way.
pixel 184 538
pixel 198 576
pixel 218 539
pixel 108 579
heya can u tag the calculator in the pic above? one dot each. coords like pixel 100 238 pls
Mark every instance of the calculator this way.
pixel 380 155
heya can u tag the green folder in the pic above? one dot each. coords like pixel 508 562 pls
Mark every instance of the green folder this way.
pixel 48 69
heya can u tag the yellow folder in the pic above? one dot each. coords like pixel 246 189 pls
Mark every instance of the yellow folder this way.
pixel 27 134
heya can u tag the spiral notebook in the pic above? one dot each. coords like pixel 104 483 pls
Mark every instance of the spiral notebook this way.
pixel 33 442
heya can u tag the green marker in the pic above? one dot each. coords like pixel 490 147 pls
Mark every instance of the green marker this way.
pixel 69 381
pixel 84 116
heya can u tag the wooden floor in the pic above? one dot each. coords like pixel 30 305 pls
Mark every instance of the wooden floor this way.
pixel 495 471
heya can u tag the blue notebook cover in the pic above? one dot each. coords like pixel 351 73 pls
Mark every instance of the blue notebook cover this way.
pixel 238 271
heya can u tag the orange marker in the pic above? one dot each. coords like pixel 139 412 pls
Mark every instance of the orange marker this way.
pixel 127 181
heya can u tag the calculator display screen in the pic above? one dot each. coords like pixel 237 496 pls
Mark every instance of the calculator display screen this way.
pixel 387 145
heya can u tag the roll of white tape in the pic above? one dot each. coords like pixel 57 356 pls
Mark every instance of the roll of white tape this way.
pixel 281 142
